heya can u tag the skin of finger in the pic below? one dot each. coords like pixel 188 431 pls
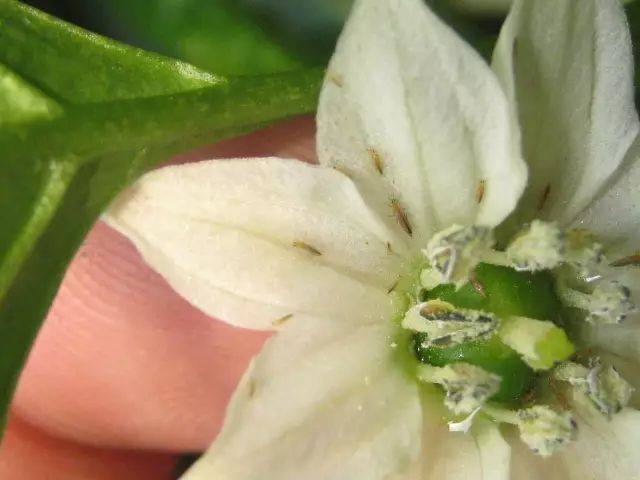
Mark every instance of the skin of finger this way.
pixel 122 361
pixel 28 454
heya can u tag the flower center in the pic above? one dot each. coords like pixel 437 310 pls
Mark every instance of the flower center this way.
pixel 492 329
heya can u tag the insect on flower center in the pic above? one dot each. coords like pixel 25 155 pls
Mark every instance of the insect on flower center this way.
pixel 489 328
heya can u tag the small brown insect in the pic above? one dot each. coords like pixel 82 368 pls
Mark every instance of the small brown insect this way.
pixel 401 216
pixel 336 79
pixel 433 309
pixel 393 287
pixel 482 184
pixel 626 261
pixel 343 170
pixel 279 321
pixel 584 354
pixel 528 397
pixel 308 248
pixel 251 388
pixel 377 160
pixel 389 248
pixel 477 285
pixel 544 197
pixel 559 394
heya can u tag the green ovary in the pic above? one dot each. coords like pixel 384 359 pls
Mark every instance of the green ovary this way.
pixel 491 355
pixel 506 293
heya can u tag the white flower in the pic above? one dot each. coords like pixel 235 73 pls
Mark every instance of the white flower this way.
pixel 421 147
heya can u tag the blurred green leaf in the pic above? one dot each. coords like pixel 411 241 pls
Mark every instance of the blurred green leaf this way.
pixel 216 35
pixel 633 15
pixel 80 118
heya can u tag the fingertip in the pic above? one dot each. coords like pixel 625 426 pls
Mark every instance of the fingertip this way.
pixel 28 454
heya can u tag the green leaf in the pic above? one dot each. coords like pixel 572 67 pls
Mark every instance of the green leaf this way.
pixel 633 16
pixel 80 118
pixel 77 66
pixel 217 35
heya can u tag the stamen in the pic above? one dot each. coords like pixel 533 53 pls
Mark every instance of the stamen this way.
pixel 544 430
pixel 467 387
pixel 610 301
pixel 455 251
pixel 603 386
pixel 540 247
pixel 445 325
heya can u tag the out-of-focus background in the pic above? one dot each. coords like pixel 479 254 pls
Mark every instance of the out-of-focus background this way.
pixel 260 36
pixel 249 36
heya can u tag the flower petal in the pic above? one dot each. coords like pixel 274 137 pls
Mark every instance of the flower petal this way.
pixel 481 454
pixel 613 216
pixel 418 120
pixel 568 69
pixel 320 403
pixel 254 241
pixel 623 339
pixel 526 465
pixel 605 450
pixel 495 453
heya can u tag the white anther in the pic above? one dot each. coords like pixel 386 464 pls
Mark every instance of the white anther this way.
pixel 467 387
pixel 607 391
pixel 610 303
pixel 444 325
pixel 544 430
pixel 455 251
pixel 539 247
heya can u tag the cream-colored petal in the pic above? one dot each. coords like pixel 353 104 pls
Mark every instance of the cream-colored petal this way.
pixel 418 120
pixel 613 215
pixel 480 454
pixel 323 401
pixel 605 450
pixel 623 339
pixel 526 465
pixel 495 452
pixel 567 66
pixel 254 241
